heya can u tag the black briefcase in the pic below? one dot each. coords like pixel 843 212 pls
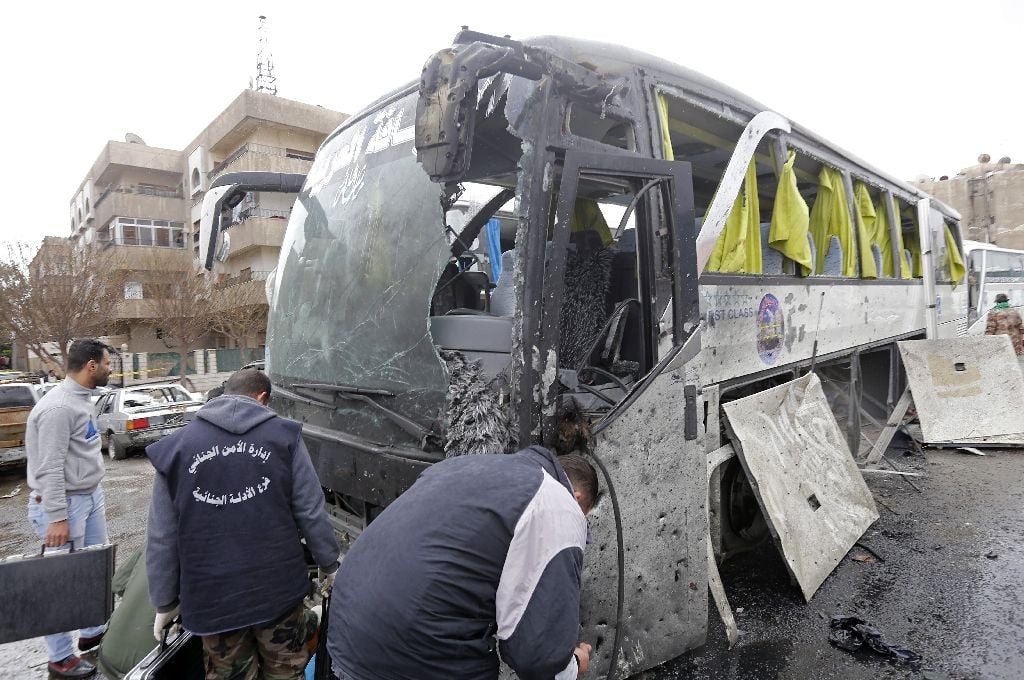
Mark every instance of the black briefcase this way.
pixel 56 592
pixel 178 658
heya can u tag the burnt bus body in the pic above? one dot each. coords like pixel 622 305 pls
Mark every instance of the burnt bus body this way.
pixel 381 296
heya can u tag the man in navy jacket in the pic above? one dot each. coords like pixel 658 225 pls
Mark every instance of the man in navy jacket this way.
pixel 234 490
pixel 482 555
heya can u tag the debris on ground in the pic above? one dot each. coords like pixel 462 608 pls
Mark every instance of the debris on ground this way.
pixel 12 494
pixel 851 633
pixel 992 555
pixel 971 450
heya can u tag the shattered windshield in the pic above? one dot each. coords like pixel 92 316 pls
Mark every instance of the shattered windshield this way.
pixel 363 251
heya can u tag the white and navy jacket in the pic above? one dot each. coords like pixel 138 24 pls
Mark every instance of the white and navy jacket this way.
pixel 482 552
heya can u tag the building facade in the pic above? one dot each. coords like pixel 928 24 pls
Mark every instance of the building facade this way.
pixel 989 197
pixel 141 206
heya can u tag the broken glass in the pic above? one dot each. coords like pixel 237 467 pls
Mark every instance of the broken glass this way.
pixel 362 253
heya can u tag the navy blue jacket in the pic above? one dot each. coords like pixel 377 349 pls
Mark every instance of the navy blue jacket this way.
pixel 233 491
pixel 483 551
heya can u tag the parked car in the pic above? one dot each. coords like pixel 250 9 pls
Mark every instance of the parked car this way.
pixel 43 388
pixel 16 402
pixel 133 417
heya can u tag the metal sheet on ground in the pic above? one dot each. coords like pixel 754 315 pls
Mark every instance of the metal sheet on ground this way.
pixel 661 484
pixel 810 490
pixel 1002 441
pixel 965 389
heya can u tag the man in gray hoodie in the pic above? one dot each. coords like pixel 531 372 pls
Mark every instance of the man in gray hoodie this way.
pixel 65 467
pixel 234 490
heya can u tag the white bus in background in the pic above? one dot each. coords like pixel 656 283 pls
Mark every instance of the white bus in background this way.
pixel 991 270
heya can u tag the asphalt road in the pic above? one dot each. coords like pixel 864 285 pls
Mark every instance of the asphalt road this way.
pixel 949 583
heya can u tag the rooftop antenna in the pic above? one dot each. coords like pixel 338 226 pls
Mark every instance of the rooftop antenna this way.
pixel 265 79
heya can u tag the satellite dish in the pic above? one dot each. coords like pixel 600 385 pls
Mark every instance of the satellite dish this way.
pixel 133 138
pixel 1005 160
pixel 984 158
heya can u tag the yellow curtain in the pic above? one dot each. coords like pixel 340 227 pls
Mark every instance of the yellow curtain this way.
pixel 867 230
pixel 738 248
pixel 666 134
pixel 956 260
pixel 790 220
pixel 830 216
pixel 587 215
pixel 883 223
pixel 913 242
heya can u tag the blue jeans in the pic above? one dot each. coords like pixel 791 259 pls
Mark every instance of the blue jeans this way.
pixel 87 525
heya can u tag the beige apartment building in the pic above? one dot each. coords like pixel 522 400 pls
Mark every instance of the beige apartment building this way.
pixel 141 206
pixel 989 197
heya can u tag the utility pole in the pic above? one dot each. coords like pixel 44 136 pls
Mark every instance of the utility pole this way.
pixel 265 79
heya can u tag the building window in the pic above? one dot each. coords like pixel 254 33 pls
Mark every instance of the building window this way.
pixel 195 179
pixel 132 290
pixel 128 231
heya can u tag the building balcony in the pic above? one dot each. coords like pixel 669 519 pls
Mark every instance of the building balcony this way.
pixel 244 277
pixel 135 309
pixel 262 158
pixel 170 207
pixel 141 258
pixel 257 231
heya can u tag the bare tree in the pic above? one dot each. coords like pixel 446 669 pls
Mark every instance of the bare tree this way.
pixel 240 312
pixel 56 293
pixel 178 303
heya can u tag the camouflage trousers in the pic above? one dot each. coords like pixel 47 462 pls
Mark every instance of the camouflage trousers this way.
pixel 278 650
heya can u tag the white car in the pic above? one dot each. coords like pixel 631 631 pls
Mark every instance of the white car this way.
pixel 134 417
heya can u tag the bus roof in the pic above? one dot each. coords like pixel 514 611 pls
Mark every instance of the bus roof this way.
pixel 616 60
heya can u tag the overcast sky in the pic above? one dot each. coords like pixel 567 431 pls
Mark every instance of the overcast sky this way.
pixel 911 87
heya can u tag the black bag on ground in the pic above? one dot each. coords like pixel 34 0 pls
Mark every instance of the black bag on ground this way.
pixel 55 592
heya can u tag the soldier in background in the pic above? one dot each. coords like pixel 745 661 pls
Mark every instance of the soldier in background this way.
pixel 1003 320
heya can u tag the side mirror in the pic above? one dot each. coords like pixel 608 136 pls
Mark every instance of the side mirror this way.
pixel 227 191
pixel 210 223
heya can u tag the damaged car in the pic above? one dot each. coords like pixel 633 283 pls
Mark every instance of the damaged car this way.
pixel 131 418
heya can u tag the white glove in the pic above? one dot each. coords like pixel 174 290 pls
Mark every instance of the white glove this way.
pixel 161 621
pixel 327 581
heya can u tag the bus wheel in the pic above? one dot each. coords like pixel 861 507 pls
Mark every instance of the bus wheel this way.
pixel 743 525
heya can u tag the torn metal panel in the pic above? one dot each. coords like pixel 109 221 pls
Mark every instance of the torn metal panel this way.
pixel 661 485
pixel 807 484
pixel 965 389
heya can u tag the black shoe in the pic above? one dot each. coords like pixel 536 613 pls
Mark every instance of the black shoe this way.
pixel 87 643
pixel 71 667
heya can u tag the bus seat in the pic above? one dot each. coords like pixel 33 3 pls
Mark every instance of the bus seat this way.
pixel 771 259
pixel 876 252
pixel 833 258
pixel 483 338
pixel 503 297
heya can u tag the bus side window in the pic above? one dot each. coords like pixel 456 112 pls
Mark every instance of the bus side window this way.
pixel 951 266
pixel 707 141
pixel 911 237
pixel 832 227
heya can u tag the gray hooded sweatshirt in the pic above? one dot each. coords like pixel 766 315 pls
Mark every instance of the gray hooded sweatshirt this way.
pixel 62 445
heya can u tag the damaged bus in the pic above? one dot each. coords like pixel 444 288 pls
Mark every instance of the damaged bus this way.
pixel 541 233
